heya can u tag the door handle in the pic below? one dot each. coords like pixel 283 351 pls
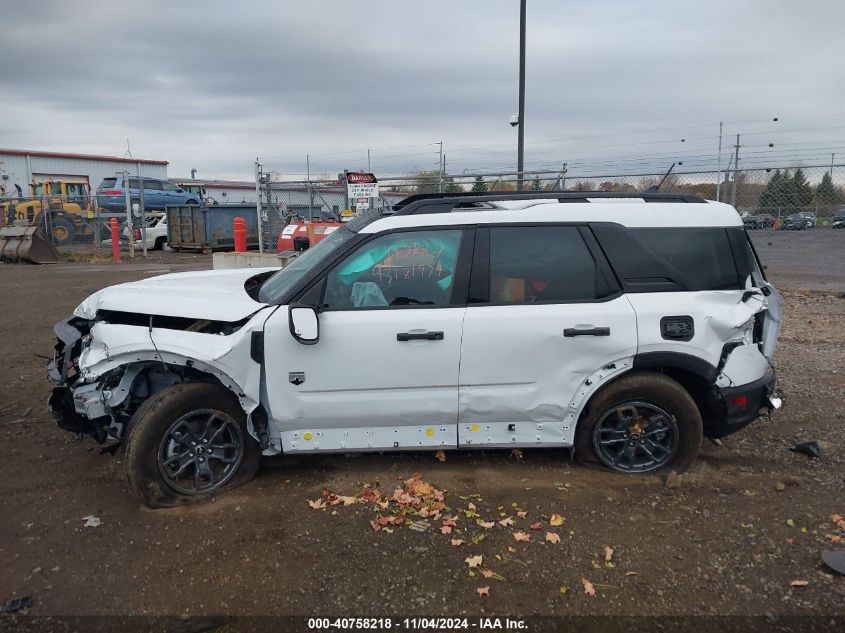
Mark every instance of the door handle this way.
pixel 419 336
pixel 593 331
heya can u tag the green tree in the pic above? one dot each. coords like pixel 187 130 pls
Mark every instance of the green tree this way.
pixel 774 196
pixel 536 185
pixel 802 192
pixel 479 186
pixel 827 195
pixel 450 186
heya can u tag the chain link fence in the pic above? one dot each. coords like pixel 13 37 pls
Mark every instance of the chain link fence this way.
pixel 792 213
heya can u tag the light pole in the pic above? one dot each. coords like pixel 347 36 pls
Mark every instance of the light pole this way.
pixel 520 143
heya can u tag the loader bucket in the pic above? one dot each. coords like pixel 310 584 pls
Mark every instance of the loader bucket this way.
pixel 26 244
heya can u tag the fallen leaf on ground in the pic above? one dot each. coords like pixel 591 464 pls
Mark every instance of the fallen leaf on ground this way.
pixel 535 526
pixel 521 536
pixel 563 589
pixel 522 514
pixel 834 538
pixel 836 518
pixel 608 554
pixel 440 456
pixel 631 573
pixel 487 525
pixel 317 504
pixel 474 561
pixel 551 537
pixel 489 573
pixel 556 520
pixel 457 542
pixel 483 591
pixel 516 454
pixel 471 506
pixel 450 522
pixel 791 541
pixel 477 538
pixel 92 521
pixel 799 583
pixel 588 587
pixel 506 522
pixel 445 529
pixel 790 523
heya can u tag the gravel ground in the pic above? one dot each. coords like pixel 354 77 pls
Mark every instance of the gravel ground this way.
pixel 727 538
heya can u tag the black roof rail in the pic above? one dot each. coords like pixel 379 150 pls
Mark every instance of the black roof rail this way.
pixel 446 202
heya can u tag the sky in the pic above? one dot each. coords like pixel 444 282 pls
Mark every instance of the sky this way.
pixel 610 84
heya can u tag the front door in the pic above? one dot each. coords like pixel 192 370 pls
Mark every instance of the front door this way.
pixel 545 322
pixel 384 372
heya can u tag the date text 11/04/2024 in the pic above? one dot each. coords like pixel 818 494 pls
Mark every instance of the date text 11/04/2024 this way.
pixel 417 623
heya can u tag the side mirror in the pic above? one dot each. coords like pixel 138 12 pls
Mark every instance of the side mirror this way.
pixel 304 324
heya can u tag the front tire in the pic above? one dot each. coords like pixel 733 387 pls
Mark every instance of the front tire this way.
pixel 188 442
pixel 644 422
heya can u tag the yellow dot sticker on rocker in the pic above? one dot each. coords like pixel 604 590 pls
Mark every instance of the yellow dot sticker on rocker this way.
pixel 307 436
pixel 429 432
pixel 474 427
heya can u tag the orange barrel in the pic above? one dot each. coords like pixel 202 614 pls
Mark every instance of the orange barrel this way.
pixel 240 235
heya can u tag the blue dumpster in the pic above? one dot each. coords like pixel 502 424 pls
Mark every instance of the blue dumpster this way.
pixel 194 227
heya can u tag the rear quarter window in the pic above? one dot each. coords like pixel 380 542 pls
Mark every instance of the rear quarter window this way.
pixel 670 259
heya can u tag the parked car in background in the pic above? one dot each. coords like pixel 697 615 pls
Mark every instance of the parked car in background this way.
pixel 759 221
pixel 809 218
pixel 794 222
pixel 156 233
pixel 839 219
pixel 111 194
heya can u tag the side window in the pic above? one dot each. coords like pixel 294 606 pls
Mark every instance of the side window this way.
pixel 169 186
pixel 154 185
pixel 399 269
pixel 133 183
pixel 531 264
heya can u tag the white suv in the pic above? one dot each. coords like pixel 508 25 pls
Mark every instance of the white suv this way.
pixel 625 326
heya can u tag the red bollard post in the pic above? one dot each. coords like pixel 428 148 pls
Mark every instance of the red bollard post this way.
pixel 240 235
pixel 115 241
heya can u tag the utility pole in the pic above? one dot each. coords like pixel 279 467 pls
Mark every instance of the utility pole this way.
pixel 310 191
pixel 520 143
pixel 719 165
pixel 143 211
pixel 369 168
pixel 832 155
pixel 129 214
pixel 440 170
pixel 736 171
pixel 258 205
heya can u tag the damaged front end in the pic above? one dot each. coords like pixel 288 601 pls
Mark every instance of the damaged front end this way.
pixel 64 372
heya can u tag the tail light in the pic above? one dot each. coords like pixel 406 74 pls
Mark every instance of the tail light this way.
pixel 137 233
pixel 111 192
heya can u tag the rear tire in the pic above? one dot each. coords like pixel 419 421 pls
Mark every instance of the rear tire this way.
pixel 643 422
pixel 159 245
pixel 187 443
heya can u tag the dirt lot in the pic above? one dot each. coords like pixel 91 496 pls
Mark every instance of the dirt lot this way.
pixel 728 538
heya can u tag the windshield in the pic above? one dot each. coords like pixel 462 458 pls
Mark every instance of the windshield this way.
pixel 279 284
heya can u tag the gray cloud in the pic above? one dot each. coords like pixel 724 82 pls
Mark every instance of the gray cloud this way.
pixel 214 84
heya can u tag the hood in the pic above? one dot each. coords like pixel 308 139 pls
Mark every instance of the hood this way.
pixel 217 295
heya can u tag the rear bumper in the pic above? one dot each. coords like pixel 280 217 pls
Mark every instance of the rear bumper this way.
pixel 745 403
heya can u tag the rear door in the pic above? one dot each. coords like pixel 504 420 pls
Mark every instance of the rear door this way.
pixel 545 321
